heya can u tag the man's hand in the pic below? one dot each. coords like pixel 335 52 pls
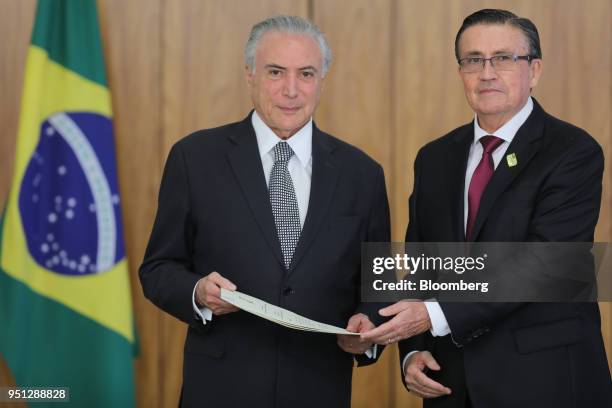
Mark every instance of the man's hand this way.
pixel 208 293
pixel 410 318
pixel 416 380
pixel 353 344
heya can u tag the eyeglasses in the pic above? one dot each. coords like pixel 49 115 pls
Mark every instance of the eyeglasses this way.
pixel 504 62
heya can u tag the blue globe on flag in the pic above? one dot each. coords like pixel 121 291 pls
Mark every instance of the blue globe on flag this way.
pixel 69 198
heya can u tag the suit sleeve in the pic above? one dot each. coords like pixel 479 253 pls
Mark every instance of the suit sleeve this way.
pixel 378 230
pixel 421 341
pixel 166 274
pixel 566 210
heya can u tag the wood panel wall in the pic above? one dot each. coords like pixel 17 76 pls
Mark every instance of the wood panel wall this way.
pixel 177 66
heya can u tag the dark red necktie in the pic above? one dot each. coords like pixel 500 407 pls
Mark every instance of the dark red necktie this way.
pixel 481 177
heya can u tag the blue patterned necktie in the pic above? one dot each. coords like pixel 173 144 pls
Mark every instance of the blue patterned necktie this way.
pixel 284 202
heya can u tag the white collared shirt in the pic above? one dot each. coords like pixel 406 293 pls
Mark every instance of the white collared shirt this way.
pixel 299 166
pixel 506 133
pixel 439 324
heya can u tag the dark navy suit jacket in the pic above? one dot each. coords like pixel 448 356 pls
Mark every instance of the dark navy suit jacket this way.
pixel 516 354
pixel 214 214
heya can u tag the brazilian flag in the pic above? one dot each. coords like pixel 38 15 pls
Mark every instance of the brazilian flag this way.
pixel 65 305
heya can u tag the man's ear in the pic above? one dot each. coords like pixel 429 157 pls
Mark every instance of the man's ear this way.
pixel 535 71
pixel 248 75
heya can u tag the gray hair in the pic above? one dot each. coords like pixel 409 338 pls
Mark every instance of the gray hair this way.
pixel 286 24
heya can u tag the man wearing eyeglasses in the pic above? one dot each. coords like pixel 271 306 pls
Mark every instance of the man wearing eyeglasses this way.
pixel 513 174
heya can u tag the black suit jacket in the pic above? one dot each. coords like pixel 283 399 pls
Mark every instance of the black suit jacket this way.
pixel 516 354
pixel 214 214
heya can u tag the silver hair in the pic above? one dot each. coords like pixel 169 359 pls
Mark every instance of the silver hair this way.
pixel 286 24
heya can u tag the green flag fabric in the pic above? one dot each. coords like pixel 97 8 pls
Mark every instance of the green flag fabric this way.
pixel 65 302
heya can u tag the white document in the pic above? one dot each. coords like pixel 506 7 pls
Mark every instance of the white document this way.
pixel 278 315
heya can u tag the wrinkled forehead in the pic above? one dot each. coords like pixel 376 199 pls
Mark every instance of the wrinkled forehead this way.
pixel 490 39
pixel 288 49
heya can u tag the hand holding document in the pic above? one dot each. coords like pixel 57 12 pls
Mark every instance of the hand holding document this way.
pixel 278 315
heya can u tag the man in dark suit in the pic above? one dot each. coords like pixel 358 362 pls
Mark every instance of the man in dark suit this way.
pixel 514 174
pixel 275 208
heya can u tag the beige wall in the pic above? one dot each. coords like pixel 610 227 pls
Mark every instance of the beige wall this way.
pixel 176 66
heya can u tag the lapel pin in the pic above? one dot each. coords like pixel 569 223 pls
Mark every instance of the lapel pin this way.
pixel 511 160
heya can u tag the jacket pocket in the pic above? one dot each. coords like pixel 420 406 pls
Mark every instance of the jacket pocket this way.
pixel 210 344
pixel 548 335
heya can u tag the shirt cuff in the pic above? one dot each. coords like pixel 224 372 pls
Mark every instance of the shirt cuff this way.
pixel 372 351
pixel 439 325
pixel 204 313
pixel 406 359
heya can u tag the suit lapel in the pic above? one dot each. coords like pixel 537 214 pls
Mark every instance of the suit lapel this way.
pixel 245 161
pixel 457 165
pixel 323 183
pixel 524 146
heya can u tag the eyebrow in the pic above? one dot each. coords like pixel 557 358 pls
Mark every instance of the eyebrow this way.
pixel 497 52
pixel 276 66
pixel 308 68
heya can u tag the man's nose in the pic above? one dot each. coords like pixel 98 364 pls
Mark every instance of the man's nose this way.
pixel 290 86
pixel 488 71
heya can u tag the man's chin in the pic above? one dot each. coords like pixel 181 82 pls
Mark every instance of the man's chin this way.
pixel 492 108
pixel 293 127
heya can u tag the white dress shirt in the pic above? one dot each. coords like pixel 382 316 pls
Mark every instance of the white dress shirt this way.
pixel 300 169
pixel 439 325
pixel 300 164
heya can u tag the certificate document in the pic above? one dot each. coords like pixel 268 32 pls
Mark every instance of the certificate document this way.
pixel 277 314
